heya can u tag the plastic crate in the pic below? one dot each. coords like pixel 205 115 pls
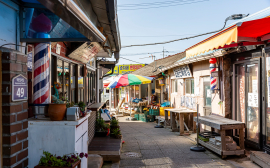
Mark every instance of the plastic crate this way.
pixel 150 118
pixel 162 111
pixel 137 116
pixel 154 112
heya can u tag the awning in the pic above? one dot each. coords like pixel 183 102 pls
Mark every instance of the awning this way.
pixel 249 31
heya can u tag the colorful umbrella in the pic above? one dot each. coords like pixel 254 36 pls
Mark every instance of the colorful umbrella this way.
pixel 129 79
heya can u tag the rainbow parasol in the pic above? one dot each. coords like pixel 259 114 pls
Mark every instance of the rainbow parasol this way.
pixel 129 79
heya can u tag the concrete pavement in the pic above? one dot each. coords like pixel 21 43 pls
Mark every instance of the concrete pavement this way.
pixel 146 146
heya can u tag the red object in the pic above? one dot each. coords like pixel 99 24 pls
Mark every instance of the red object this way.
pixel 42 24
pixel 123 142
pixel 212 60
pixel 108 132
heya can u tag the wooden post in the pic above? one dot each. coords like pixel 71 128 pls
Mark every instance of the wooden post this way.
pixel 181 123
pixel 166 118
pixel 241 138
pixel 194 123
pixel 223 140
pixel 149 92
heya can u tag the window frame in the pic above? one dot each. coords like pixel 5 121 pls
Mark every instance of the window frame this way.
pixel 191 89
pixel 205 91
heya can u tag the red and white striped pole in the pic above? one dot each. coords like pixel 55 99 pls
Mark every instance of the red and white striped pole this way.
pixel 212 67
pixel 42 73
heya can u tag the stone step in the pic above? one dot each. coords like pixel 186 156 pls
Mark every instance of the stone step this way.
pixel 94 161
pixel 260 158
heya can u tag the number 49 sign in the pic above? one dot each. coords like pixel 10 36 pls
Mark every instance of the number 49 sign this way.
pixel 19 88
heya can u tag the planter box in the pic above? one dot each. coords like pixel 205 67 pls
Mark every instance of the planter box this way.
pixel 101 134
pixel 78 163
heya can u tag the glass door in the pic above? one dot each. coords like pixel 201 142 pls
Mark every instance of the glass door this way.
pixel 267 101
pixel 247 89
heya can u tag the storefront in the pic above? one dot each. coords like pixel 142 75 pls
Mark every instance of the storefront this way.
pixel 251 96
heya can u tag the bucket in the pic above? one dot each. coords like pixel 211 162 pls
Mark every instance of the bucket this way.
pixel 40 109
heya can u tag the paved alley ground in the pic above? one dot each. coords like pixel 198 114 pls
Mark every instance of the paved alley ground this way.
pixel 146 146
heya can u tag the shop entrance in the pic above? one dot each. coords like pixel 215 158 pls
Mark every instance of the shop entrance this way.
pixel 247 106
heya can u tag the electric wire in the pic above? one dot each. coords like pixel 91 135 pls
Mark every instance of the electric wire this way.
pixel 186 38
pixel 159 36
pixel 150 4
pixel 163 6
pixel 146 53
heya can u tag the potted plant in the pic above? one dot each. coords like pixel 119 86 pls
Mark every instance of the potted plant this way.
pixel 114 125
pixel 82 108
pixel 101 128
pixel 57 109
pixel 117 133
pixel 66 161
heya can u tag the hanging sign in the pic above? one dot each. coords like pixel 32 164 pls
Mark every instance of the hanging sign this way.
pixel 29 61
pixel 182 72
pixel 19 88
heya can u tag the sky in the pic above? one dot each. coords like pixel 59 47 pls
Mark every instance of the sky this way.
pixel 180 18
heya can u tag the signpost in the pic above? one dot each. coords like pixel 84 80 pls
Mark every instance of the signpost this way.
pixel 19 88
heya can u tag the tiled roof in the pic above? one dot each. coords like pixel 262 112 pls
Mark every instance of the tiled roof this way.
pixel 149 70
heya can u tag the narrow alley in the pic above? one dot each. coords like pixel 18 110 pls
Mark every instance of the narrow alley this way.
pixel 146 146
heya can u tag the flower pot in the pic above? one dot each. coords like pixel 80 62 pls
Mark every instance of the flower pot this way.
pixel 73 165
pixel 57 112
pixel 113 128
pixel 101 134
pixel 118 136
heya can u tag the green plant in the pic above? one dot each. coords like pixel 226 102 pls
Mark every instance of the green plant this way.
pixel 82 106
pixel 106 126
pixel 50 160
pixel 57 101
pixel 70 104
pixel 100 124
pixel 116 132
pixel 114 122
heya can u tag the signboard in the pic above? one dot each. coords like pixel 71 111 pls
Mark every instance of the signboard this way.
pixel 58 49
pixel 19 88
pixel 129 68
pixel 182 72
pixel 30 61
pixel 123 69
pixel 85 52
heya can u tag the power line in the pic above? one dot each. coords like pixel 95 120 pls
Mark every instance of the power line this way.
pixel 159 36
pixel 163 6
pixel 186 38
pixel 149 4
pixel 132 54
pixel 131 60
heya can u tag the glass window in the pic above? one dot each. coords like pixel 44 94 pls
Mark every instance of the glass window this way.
pixel 60 78
pixel 189 86
pixel 72 82
pixel 267 95
pixel 80 84
pixel 174 85
pixel 207 91
pixel 66 81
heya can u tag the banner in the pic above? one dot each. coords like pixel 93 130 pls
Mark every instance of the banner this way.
pixel 182 72
pixel 123 69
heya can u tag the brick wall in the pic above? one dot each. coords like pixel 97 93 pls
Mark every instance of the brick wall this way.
pixel 14 114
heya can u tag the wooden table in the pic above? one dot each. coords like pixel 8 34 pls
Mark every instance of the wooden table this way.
pixel 181 113
pixel 96 106
pixel 223 124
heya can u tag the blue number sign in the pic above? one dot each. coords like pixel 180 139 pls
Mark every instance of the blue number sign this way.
pixel 19 88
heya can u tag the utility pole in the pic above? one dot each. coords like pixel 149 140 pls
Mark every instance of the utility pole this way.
pixel 164 52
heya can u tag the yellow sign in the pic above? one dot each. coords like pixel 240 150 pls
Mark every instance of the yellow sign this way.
pixel 122 69
pixel 129 68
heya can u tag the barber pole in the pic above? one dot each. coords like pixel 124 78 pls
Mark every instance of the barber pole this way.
pixel 42 73
pixel 212 67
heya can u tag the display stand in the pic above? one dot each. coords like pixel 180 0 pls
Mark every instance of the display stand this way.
pixel 223 124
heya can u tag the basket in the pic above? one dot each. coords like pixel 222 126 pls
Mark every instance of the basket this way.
pixel 154 112
pixel 137 116
pixel 162 110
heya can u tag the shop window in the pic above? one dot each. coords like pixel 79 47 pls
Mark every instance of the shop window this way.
pixel 207 91
pixel 80 84
pixel 53 75
pixel 189 86
pixel 60 78
pixel 174 86
pixel 72 82
pixel 66 85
